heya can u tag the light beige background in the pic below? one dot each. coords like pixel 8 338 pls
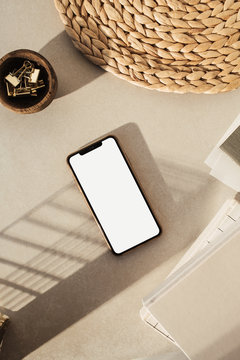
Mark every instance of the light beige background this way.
pixel 94 313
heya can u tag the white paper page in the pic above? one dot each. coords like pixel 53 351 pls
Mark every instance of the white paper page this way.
pixel 209 234
pixel 223 221
pixel 213 156
pixel 227 171
pixel 230 211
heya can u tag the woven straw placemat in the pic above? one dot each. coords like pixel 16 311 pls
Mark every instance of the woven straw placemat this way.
pixel 168 45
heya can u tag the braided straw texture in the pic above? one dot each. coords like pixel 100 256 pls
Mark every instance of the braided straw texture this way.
pixel 168 45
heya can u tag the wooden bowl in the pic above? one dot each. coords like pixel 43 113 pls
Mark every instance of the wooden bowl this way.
pixel 28 104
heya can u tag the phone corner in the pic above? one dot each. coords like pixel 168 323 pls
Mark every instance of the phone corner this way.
pixel 114 137
pixel 159 230
pixel 115 253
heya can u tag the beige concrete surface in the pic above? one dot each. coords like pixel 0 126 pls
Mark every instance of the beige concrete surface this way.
pixel 67 295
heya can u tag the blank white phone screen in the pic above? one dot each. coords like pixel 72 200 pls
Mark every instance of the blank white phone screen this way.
pixel 114 196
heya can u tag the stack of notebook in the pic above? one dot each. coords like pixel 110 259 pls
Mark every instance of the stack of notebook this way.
pixel 198 306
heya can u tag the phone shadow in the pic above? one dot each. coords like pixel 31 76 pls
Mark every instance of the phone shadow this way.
pixel 106 275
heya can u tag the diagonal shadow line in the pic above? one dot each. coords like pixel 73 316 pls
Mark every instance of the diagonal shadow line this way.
pixel 39 260
pixel 39 205
pixel 19 287
pixel 69 210
pixel 43 248
pixel 89 288
pixel 59 229
pixel 29 269
pixel 31 276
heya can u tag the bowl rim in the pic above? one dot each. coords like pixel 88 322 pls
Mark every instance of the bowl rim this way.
pixel 53 83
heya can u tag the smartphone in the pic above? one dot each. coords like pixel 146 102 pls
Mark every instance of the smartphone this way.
pixel 113 194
